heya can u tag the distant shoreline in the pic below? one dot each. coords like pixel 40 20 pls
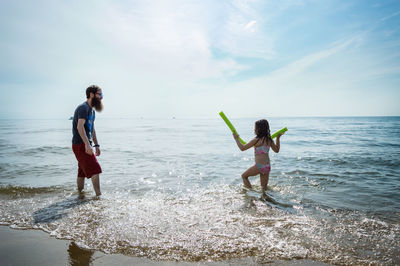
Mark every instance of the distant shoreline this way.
pixel 216 117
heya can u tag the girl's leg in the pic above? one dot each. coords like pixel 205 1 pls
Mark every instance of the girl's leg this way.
pixel 264 182
pixel 252 171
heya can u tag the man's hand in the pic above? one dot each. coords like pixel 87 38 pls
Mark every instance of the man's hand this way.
pixel 98 151
pixel 88 149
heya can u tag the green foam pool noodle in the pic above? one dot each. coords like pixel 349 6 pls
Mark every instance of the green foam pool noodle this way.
pixel 283 130
pixel 229 124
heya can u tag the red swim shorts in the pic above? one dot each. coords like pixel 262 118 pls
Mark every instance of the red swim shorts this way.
pixel 87 164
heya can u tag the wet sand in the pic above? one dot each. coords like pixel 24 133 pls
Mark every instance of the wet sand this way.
pixel 34 247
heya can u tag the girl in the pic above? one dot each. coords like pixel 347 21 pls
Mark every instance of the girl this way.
pixel 262 142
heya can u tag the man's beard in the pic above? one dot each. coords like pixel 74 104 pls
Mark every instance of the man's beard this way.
pixel 97 104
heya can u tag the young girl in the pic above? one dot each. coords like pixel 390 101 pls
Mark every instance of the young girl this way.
pixel 262 142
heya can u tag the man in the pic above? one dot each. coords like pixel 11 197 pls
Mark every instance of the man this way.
pixel 84 135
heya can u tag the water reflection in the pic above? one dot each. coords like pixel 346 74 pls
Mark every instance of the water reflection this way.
pixel 79 256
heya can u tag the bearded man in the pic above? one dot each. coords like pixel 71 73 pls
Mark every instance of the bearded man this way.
pixel 84 135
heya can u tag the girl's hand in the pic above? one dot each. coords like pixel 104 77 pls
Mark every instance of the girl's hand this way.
pixel 280 135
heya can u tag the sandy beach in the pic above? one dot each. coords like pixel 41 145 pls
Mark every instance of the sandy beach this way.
pixel 34 247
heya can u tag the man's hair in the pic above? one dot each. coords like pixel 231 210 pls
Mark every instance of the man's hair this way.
pixel 91 89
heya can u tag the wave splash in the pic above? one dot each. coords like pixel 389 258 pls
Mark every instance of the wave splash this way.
pixel 215 223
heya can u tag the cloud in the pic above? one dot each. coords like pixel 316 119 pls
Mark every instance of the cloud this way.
pixel 168 39
pixel 299 66
pixel 315 83
pixel 391 16
pixel 250 26
pixel 238 35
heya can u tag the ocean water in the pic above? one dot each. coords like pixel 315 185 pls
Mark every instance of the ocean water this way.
pixel 172 189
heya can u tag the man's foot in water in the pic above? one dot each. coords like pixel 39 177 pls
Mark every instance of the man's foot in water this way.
pixel 81 194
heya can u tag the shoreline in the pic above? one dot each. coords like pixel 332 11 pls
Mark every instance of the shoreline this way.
pixel 35 247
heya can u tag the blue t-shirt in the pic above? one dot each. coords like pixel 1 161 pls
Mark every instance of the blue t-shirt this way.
pixel 86 112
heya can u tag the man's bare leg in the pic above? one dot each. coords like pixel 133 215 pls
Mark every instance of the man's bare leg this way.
pixel 96 184
pixel 81 184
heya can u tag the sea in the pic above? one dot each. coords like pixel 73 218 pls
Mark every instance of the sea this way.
pixel 172 189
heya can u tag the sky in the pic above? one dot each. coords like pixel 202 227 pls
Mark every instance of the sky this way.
pixel 192 59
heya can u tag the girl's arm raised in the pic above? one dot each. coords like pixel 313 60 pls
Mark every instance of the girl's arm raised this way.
pixel 276 147
pixel 247 145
